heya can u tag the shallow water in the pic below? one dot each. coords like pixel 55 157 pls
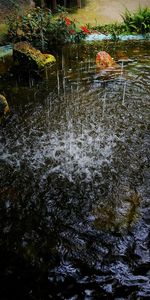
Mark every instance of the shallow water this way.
pixel 74 179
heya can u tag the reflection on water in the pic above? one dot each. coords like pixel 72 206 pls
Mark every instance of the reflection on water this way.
pixel 74 181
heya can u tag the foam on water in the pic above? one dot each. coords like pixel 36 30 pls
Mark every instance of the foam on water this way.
pixel 69 152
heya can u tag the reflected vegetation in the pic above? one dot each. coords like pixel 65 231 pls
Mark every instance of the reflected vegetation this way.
pixel 74 180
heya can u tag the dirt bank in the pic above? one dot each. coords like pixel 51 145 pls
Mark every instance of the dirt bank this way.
pixel 107 11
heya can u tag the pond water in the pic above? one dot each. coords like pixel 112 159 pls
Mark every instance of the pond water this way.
pixel 74 178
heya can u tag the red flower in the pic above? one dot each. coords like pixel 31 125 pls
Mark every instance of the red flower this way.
pixel 67 21
pixel 72 31
pixel 85 29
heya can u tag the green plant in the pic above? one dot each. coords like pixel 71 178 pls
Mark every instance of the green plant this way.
pixel 63 30
pixel 138 22
pixel 114 29
pixel 60 9
pixel 31 27
pixel 42 29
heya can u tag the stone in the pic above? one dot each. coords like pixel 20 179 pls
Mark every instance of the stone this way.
pixel 4 108
pixel 104 60
pixel 107 69
pixel 24 53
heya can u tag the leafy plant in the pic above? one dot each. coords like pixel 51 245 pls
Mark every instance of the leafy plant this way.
pixel 114 29
pixel 31 27
pixel 60 9
pixel 63 30
pixel 138 22
pixel 42 29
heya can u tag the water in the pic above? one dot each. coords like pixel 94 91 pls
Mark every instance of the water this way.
pixel 74 179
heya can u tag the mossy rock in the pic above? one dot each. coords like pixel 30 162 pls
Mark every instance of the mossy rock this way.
pixel 30 57
pixel 4 108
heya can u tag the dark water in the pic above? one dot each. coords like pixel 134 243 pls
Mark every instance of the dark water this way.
pixel 74 179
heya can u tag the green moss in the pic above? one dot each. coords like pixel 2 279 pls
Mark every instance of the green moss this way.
pixel 3 28
pixel 34 56
pixel 49 59
pixel 3 32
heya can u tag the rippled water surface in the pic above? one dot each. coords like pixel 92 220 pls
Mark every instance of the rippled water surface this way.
pixel 74 179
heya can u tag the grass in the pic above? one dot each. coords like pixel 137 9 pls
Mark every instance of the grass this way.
pixel 138 22
pixel 114 29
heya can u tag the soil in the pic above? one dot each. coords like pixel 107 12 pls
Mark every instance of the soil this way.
pixel 106 11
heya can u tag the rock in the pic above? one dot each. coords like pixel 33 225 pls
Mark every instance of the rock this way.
pixel 4 107
pixel 104 60
pixel 30 57
pixel 107 69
